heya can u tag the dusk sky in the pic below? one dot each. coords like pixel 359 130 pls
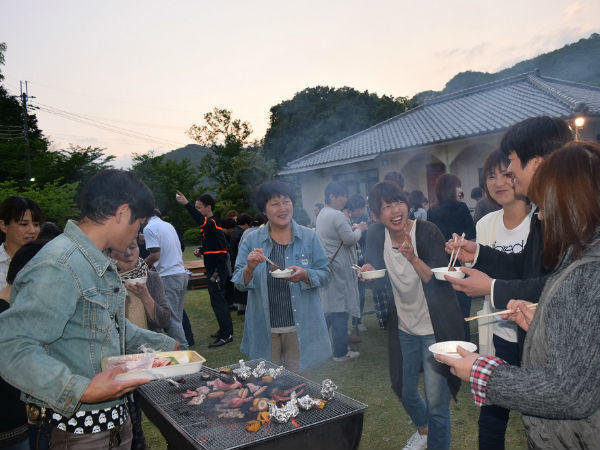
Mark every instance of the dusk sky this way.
pixel 156 67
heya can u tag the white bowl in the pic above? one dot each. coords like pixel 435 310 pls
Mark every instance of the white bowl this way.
pixel 285 273
pixel 439 273
pixel 448 348
pixel 141 280
pixel 373 274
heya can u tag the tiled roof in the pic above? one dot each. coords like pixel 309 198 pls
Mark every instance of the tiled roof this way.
pixel 483 109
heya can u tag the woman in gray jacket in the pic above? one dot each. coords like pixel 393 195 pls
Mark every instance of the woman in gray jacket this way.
pixel 556 388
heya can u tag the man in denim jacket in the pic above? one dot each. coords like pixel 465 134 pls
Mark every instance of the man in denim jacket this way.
pixel 68 312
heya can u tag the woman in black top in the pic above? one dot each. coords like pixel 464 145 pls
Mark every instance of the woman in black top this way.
pixel 451 215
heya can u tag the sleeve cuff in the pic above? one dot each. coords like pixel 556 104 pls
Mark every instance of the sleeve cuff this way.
pixel 480 374
pixel 310 285
pixel 70 397
pixel 471 264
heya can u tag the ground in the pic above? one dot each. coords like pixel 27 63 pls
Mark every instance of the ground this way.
pixel 386 425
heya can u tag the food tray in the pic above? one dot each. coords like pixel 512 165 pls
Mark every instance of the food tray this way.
pixel 194 365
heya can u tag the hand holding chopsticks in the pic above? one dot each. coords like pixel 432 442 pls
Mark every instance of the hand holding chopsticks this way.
pixel 530 306
pixel 272 263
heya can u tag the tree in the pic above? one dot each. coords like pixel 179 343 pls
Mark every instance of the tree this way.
pixel 164 177
pixel 234 164
pixel 319 116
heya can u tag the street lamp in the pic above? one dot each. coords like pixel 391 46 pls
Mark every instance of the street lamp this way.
pixel 579 123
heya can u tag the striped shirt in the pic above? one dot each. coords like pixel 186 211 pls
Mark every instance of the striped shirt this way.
pixel 4 263
pixel 280 299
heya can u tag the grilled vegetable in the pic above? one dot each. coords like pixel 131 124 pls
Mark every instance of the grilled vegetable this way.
pixel 253 426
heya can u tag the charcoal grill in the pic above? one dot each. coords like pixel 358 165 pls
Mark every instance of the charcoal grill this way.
pixel 337 426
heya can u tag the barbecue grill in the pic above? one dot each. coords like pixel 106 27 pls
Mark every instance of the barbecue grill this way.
pixel 337 426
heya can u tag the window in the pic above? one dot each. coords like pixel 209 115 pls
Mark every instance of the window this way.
pixel 359 182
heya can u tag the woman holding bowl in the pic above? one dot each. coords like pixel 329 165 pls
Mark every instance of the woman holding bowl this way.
pixel 284 319
pixel 421 311
pixel 556 387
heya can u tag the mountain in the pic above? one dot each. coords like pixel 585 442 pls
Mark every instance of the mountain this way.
pixel 193 152
pixel 579 62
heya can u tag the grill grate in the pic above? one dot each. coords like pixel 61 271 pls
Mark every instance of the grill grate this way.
pixel 209 432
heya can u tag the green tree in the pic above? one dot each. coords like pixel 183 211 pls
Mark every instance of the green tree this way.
pixel 164 177
pixel 234 164
pixel 321 115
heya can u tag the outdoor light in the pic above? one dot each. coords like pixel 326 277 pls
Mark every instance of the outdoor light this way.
pixel 32 179
pixel 579 122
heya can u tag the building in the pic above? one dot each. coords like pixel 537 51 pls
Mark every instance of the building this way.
pixel 451 133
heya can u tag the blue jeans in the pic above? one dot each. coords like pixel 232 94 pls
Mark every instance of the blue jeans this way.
pixel 338 322
pixel 435 412
pixel 175 288
pixel 492 418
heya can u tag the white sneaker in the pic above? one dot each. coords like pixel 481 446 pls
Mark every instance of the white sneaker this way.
pixel 347 357
pixel 360 327
pixel 416 442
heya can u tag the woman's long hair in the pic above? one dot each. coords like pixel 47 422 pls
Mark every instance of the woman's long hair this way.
pixel 566 187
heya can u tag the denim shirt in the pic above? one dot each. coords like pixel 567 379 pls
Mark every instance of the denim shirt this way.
pixel 304 250
pixel 67 313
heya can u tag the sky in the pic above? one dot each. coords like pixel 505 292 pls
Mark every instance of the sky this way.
pixel 150 69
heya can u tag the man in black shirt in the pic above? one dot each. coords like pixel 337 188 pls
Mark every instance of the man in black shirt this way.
pixel 214 249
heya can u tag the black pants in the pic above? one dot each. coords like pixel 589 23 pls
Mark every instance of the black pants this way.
pixel 361 296
pixel 493 419
pixel 464 301
pixel 217 292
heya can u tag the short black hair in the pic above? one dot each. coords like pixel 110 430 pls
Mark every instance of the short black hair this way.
pixel 22 257
pixel 244 219
pixel 395 177
pixel 272 189
pixel 536 136
pixel 259 219
pixel 336 189
pixel 445 188
pixel 49 230
pixel 111 188
pixel 476 193
pixel 416 199
pixel 13 208
pixel 385 190
pixel 207 200
pixel 228 223
pixel 355 202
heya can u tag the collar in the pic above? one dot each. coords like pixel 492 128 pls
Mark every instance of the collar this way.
pixel 99 261
pixel 3 255
pixel 264 234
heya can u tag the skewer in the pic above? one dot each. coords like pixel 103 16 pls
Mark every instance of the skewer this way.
pixel 499 313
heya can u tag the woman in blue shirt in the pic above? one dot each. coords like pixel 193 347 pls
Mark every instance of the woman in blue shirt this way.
pixel 284 318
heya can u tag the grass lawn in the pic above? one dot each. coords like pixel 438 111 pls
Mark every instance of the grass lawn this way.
pixel 386 424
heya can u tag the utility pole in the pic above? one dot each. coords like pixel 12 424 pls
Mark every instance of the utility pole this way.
pixel 24 98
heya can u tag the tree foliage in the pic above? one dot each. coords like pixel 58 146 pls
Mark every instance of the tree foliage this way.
pixel 322 115
pixel 235 166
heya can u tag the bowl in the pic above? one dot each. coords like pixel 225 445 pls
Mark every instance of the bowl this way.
pixel 448 348
pixel 439 273
pixel 285 273
pixel 141 280
pixel 373 274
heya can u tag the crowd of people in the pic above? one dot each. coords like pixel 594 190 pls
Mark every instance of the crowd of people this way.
pixel 117 280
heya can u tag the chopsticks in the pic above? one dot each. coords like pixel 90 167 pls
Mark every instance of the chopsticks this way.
pixel 451 264
pixel 272 263
pixel 357 267
pixel 499 313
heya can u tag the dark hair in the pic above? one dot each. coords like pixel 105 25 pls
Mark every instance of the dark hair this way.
pixel 495 160
pixel 395 177
pixel 536 136
pixel 445 188
pixel 228 223
pixel 269 190
pixel 336 189
pixel 49 230
pixel 207 200
pixel 111 188
pixel 566 187
pixel 355 202
pixel 13 208
pixel 476 193
pixel 22 257
pixel 319 205
pixel 244 219
pixel 416 199
pixel 231 213
pixel 259 219
pixel 385 190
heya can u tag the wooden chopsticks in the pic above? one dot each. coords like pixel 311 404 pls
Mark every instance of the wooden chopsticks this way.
pixel 272 263
pixel 451 264
pixel 499 313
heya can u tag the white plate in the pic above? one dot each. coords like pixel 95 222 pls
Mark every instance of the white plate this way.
pixel 448 348
pixel 141 280
pixel 285 273
pixel 373 274
pixel 439 273
pixel 193 365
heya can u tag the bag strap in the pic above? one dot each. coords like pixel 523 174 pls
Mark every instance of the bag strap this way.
pixel 334 255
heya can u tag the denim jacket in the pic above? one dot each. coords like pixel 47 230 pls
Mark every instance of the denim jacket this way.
pixel 306 251
pixel 67 313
